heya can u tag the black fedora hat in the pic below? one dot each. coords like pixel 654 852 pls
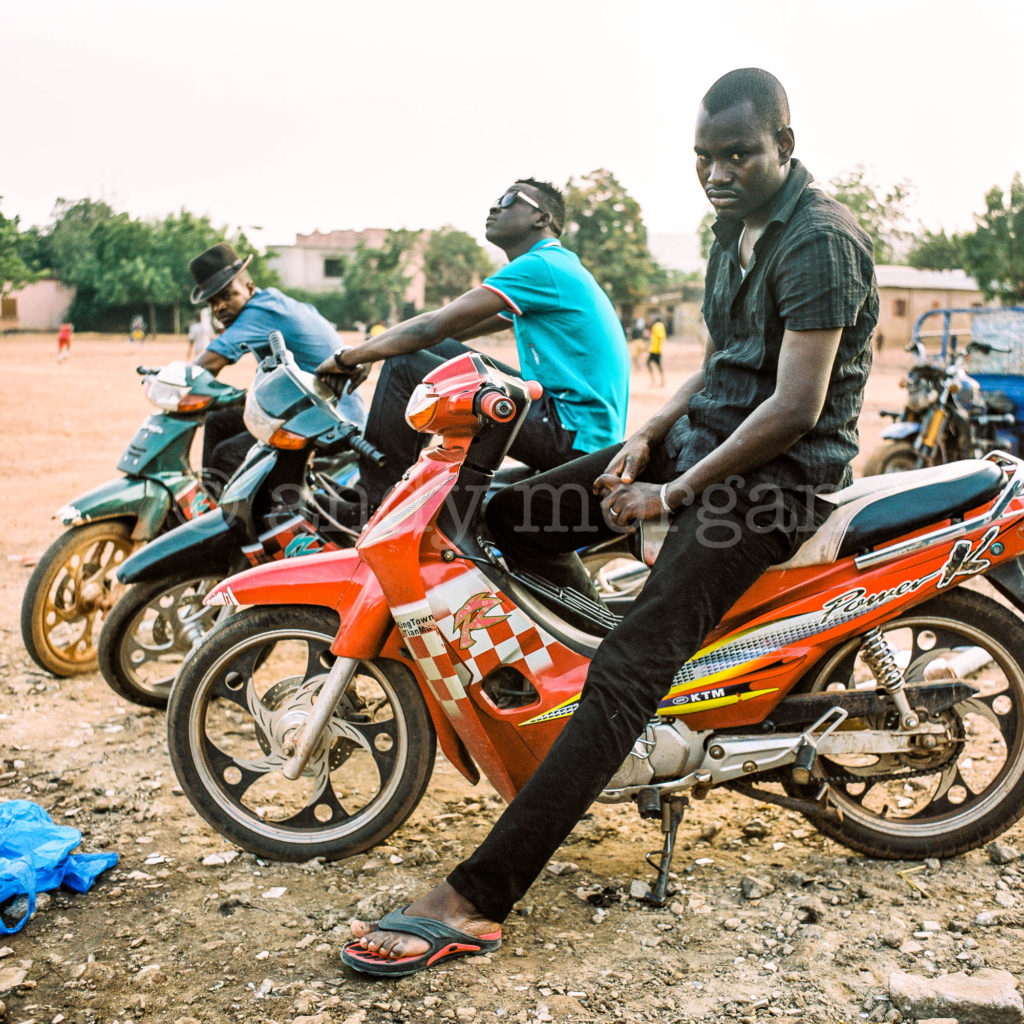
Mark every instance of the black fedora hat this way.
pixel 213 269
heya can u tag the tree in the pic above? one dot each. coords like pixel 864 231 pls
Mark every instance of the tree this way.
pixel 14 270
pixel 116 262
pixel 994 252
pixel 374 279
pixel 882 214
pixel 453 263
pixel 937 252
pixel 604 227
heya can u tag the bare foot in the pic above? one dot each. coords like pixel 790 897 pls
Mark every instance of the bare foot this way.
pixel 440 904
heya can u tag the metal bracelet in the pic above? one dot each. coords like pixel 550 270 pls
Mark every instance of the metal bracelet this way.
pixel 664 501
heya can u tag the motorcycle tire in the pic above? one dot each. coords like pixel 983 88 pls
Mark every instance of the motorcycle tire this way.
pixel 894 457
pixel 962 792
pixel 241 694
pixel 68 594
pixel 149 632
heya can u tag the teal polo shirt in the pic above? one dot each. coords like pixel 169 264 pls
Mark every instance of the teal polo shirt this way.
pixel 569 339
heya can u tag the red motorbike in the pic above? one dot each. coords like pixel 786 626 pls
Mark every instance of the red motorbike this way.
pixel 859 683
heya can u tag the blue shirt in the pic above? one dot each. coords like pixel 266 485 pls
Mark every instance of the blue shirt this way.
pixel 308 336
pixel 569 339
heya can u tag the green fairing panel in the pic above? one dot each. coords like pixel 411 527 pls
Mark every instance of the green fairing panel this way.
pixel 145 501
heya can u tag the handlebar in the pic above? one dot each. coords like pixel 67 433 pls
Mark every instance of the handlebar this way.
pixel 277 346
pixel 498 407
pixel 348 436
pixel 363 447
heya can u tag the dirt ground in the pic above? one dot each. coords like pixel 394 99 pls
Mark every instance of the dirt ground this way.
pixel 767 921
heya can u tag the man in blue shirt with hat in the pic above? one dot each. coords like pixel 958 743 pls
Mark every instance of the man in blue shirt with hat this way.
pixel 249 314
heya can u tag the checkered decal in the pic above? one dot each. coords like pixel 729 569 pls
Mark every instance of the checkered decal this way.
pixel 254 553
pixel 192 500
pixel 429 651
pixel 512 640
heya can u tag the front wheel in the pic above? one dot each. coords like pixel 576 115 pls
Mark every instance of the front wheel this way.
pixel 967 786
pixel 151 629
pixel 237 702
pixel 69 593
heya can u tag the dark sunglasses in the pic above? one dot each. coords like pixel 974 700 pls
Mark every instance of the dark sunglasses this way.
pixel 511 196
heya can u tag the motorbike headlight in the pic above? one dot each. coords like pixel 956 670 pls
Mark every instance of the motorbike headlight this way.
pixel 164 395
pixel 259 423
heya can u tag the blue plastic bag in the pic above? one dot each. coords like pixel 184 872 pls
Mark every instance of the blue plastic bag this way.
pixel 35 855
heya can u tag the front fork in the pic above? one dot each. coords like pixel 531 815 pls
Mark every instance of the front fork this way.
pixel 928 438
pixel 300 746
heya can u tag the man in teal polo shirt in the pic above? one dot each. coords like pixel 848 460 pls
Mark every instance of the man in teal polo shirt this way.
pixel 567 336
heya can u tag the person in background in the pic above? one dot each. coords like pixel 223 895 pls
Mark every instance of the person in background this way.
pixel 64 342
pixel 248 315
pixel 137 329
pixel 200 334
pixel 657 341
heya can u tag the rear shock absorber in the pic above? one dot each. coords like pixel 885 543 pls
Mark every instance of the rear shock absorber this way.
pixel 881 659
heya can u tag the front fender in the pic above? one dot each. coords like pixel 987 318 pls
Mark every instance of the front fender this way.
pixel 204 546
pixel 333 579
pixel 144 500
pixel 901 430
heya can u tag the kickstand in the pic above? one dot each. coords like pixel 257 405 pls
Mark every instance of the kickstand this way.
pixel 672 810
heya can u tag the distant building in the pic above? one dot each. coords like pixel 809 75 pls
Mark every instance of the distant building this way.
pixel 316 262
pixel 904 293
pixel 40 306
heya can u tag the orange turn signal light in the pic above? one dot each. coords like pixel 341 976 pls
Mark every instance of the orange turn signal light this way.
pixel 286 439
pixel 193 403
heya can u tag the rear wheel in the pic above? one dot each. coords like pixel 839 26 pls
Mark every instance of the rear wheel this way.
pixel 69 593
pixel 894 457
pixel 237 702
pixel 148 634
pixel 966 787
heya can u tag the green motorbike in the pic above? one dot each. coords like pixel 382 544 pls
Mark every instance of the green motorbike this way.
pixel 73 586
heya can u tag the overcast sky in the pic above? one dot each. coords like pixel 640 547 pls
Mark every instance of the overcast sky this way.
pixel 297 115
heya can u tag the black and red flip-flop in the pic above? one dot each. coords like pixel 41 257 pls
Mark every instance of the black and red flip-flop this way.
pixel 445 943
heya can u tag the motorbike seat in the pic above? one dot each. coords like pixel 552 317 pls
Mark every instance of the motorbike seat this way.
pixel 878 508
pixel 875 509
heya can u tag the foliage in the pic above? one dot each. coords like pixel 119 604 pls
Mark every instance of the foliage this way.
pixel 994 252
pixel 375 280
pixel 14 270
pixel 333 305
pixel 604 227
pixel 117 263
pixel 937 251
pixel 882 214
pixel 453 263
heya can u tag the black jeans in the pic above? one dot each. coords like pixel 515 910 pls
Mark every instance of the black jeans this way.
pixel 709 559
pixel 225 442
pixel 542 441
